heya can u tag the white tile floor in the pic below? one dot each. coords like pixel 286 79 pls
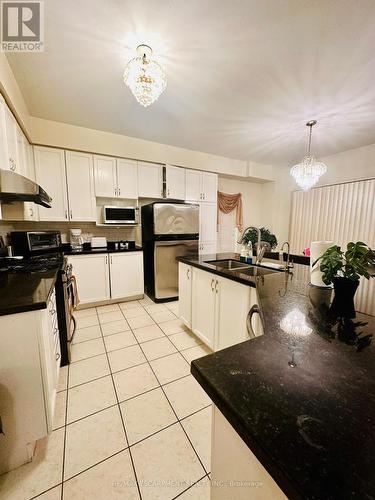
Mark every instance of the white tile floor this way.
pixel 128 411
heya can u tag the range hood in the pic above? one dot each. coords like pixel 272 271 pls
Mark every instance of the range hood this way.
pixel 16 187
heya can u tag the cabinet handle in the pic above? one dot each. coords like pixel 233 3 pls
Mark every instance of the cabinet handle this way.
pixel 71 214
pixel 111 259
pixel 106 259
pixel 115 192
pixel 188 273
pixel 212 284
pixel 12 164
pixel 55 330
pixel 253 310
pixel 52 311
pixel 216 287
pixel 58 356
pixel 119 191
pixel 31 212
pixel 66 214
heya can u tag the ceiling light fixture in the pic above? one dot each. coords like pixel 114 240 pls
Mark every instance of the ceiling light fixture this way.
pixel 308 172
pixel 145 77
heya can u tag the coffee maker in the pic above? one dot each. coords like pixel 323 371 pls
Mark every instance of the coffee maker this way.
pixel 76 240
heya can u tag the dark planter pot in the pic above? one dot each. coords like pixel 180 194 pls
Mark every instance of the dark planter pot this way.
pixel 343 301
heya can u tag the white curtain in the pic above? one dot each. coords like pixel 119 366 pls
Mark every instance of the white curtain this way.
pixel 342 213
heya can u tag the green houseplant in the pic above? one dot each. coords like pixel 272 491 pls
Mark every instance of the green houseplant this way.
pixel 344 270
pixel 265 236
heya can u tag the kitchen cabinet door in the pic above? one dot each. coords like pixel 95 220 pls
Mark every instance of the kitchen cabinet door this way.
pixel 209 186
pixel 4 157
pixel 193 185
pixel 185 293
pixel 105 176
pixel 21 152
pixel 80 180
pixel 207 247
pixel 233 302
pixel 208 222
pixel 92 274
pixel 203 306
pixel 50 175
pixel 150 180
pixel 126 273
pixel 127 179
pixel 11 131
pixel 176 182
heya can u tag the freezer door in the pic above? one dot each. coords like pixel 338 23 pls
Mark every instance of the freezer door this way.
pixel 166 266
pixel 176 218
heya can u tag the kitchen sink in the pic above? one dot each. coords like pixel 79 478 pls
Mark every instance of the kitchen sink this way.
pixel 255 271
pixel 229 264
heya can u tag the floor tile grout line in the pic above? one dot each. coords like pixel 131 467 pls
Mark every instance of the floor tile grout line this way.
pixel 45 491
pixel 64 446
pixel 94 465
pixel 122 420
pixel 167 426
pixel 191 486
pixel 90 414
pixel 178 420
pixel 182 427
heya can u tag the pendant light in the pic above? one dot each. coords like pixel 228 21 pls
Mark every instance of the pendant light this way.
pixel 308 172
pixel 145 77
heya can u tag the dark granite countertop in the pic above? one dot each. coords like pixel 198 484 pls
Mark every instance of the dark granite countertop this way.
pixel 25 291
pixel 312 425
pixel 92 251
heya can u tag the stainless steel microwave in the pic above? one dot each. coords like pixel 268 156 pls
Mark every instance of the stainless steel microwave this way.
pixel 120 215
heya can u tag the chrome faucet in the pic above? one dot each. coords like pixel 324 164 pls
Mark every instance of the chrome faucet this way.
pixel 289 264
pixel 260 248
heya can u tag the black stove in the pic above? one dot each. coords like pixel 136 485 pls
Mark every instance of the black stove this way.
pixel 36 264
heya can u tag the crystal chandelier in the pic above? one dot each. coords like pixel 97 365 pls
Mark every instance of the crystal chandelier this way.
pixel 145 77
pixel 308 172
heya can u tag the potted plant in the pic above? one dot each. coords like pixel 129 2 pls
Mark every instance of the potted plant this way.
pixel 344 270
pixel 265 235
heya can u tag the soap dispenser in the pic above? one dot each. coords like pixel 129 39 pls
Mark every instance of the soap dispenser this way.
pixel 249 253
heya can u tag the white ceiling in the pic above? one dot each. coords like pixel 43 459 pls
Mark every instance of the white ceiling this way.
pixel 243 75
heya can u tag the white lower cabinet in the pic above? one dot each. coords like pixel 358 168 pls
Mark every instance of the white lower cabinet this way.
pixel 233 463
pixel 29 369
pixel 92 274
pixel 203 306
pixel 185 292
pixel 220 308
pixel 126 274
pixel 106 276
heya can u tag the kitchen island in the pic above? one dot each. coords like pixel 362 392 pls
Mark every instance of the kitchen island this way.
pixel 300 398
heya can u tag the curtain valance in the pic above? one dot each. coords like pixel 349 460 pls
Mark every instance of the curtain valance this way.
pixel 226 203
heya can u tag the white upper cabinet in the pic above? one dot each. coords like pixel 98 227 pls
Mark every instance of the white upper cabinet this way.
pixel 80 180
pixel 193 185
pixel 201 186
pixel 4 157
pixel 11 133
pixel 127 179
pixel 105 176
pixel 50 175
pixel 150 180
pixel 175 182
pixel 209 186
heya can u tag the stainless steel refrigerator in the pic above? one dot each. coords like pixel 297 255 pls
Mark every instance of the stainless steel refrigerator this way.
pixel 169 230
